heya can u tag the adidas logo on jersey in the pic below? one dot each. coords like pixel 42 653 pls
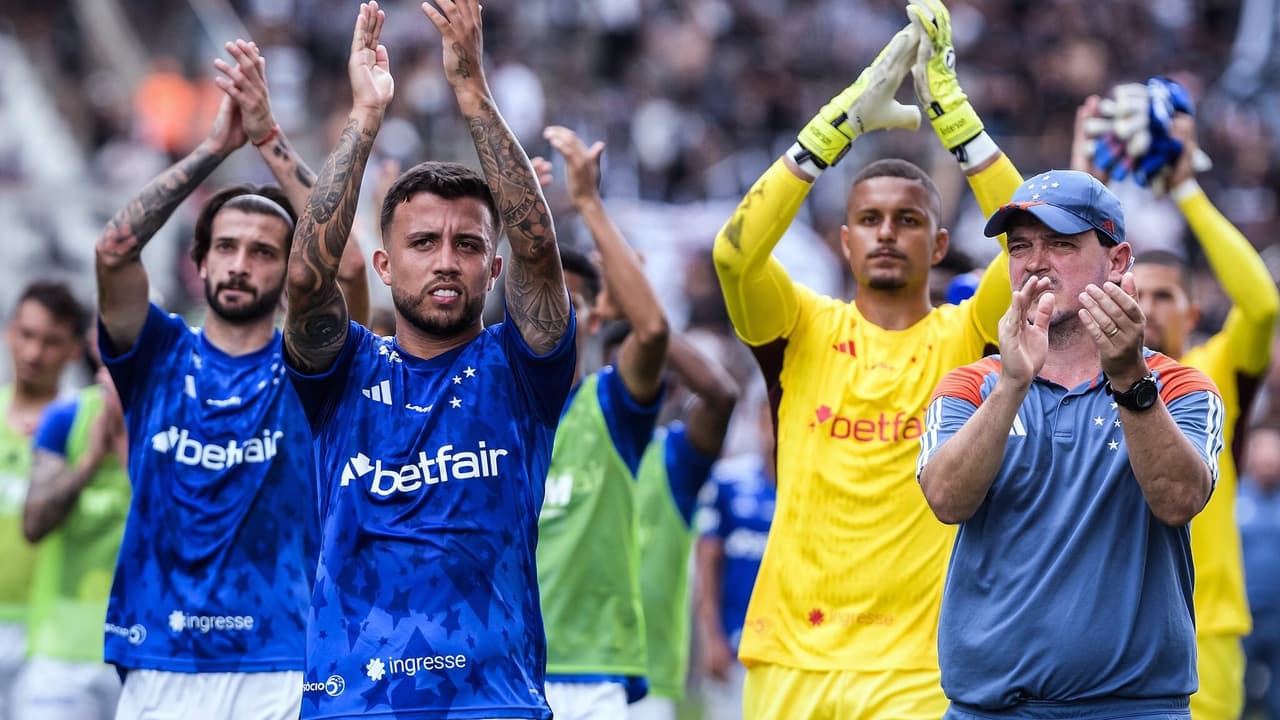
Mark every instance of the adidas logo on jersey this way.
pixel 1018 429
pixel 380 393
pixel 209 456
pixel 445 465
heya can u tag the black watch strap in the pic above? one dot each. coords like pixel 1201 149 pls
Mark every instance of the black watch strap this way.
pixel 1139 396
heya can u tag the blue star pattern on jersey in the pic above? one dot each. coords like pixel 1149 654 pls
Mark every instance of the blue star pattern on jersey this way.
pixel 216 562
pixel 431 476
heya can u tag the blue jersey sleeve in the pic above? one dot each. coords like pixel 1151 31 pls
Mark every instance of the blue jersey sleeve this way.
pixel 944 418
pixel 130 368
pixel 1199 415
pixel 687 470
pixel 320 392
pixel 55 425
pixel 543 379
pixel 630 423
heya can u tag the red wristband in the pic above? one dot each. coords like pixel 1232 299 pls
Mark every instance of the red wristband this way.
pixel 275 130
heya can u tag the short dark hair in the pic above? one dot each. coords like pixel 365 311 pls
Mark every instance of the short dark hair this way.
pixel 444 179
pixel 56 297
pixel 246 197
pixel 1168 259
pixel 897 168
pixel 579 264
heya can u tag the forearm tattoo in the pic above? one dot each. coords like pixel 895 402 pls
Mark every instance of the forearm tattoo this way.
pixel 317 320
pixel 536 297
pixel 129 230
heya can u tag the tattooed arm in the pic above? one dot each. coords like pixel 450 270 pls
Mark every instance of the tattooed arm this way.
pixel 316 322
pixel 122 280
pixel 246 83
pixel 537 301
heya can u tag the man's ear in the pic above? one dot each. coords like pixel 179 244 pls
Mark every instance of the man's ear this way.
pixel 1120 261
pixel 382 265
pixel 941 243
pixel 844 242
pixel 495 269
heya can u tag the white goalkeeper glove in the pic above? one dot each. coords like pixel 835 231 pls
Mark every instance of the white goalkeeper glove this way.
pixel 864 106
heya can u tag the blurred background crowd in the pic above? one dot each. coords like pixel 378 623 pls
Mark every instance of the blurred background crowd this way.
pixel 694 98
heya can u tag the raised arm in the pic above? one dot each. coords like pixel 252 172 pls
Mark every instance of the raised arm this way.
pixel 246 83
pixel 991 175
pixel 643 354
pixel 1240 270
pixel 715 395
pixel 317 319
pixel 761 299
pixel 537 301
pixel 122 280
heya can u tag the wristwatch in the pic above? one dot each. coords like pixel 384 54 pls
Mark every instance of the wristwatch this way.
pixel 1140 396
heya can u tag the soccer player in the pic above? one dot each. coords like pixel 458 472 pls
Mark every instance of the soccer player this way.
pixel 209 599
pixel 1235 358
pixel 843 617
pixel 432 446
pixel 733 522
pixel 44 334
pixel 588 554
pixel 75 509
pixel 673 470
pixel 1073 463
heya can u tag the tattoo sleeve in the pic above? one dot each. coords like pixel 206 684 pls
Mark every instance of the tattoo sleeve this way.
pixel 316 323
pixel 129 230
pixel 536 297
pixel 55 485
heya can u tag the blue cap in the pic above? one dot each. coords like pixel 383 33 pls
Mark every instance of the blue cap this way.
pixel 1069 202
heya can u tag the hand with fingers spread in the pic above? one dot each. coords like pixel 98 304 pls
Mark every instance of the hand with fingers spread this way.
pixel 1112 317
pixel 462 34
pixel 1024 332
pixel 372 86
pixel 246 83
pixel 582 163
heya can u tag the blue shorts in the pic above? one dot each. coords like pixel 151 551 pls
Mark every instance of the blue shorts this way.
pixel 1172 708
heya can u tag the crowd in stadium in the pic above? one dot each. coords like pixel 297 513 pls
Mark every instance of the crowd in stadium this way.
pixel 627 358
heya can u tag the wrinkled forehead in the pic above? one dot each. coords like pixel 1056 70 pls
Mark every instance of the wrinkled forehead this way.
pixel 427 212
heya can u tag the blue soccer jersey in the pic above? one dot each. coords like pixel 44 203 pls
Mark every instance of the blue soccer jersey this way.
pixel 1063 586
pixel 431 474
pixel 215 567
pixel 737 509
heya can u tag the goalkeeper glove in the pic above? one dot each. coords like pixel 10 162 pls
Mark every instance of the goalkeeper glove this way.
pixel 1133 134
pixel 864 106
pixel 953 118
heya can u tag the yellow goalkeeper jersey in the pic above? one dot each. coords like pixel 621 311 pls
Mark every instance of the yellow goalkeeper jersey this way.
pixel 852 574
pixel 1235 359
pixel 1219 597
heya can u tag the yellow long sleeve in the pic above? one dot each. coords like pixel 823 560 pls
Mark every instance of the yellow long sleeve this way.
pixel 1244 278
pixel 760 296
pixel 993 187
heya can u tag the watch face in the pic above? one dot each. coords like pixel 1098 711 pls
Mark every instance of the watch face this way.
pixel 1144 393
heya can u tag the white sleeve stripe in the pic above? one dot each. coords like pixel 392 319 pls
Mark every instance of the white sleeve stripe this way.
pixel 929 440
pixel 1213 439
